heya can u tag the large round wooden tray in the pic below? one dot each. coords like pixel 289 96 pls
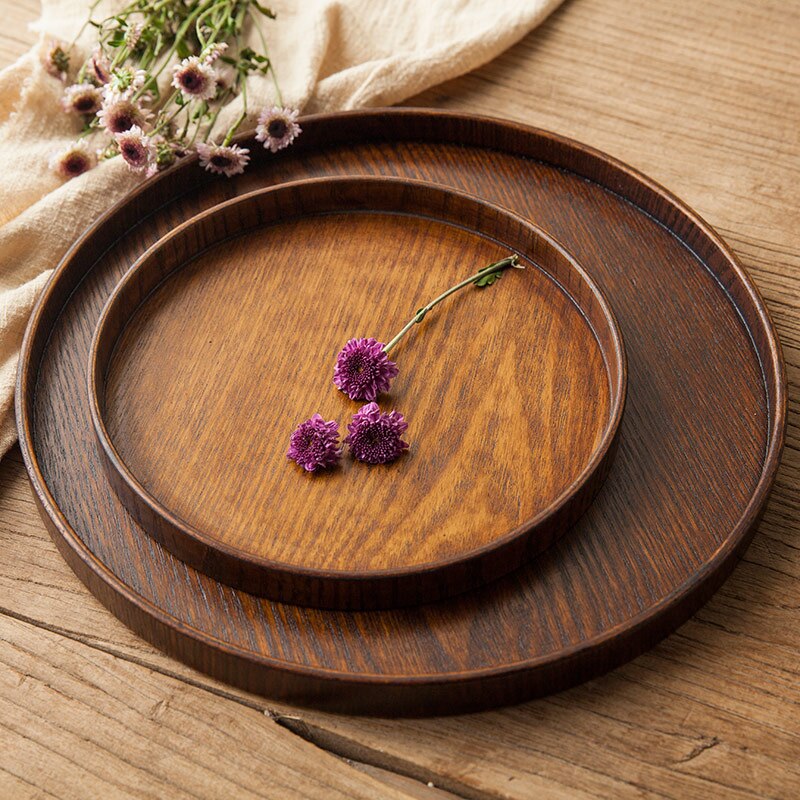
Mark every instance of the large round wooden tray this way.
pixel 222 337
pixel 699 446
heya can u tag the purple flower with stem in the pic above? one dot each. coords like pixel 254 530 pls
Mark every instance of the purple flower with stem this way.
pixel 375 436
pixel 314 444
pixel 363 368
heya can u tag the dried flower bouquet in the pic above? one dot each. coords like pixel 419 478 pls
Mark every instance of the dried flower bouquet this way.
pixel 126 107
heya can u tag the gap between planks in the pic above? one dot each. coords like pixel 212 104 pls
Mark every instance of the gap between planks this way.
pixel 396 772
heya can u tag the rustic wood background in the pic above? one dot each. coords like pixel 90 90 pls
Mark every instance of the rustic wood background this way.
pixel 706 99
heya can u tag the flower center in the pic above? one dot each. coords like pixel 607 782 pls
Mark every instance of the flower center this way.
pixel 277 128
pixel 192 81
pixel 221 161
pixel 132 152
pixel 84 104
pixel 372 435
pixel 358 365
pixel 123 120
pixel 75 164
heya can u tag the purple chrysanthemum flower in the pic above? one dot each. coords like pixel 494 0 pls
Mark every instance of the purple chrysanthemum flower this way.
pixel 315 444
pixel 374 436
pixel 363 370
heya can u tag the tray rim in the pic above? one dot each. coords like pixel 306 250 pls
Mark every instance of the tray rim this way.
pixel 579 492
pixel 177 637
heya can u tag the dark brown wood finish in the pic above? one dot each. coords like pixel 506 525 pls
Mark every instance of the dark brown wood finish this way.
pixel 223 336
pixel 699 445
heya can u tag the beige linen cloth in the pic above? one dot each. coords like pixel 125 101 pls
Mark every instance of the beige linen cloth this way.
pixel 328 54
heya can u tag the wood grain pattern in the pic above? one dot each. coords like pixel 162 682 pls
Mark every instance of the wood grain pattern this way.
pixel 126 731
pixel 223 336
pixel 690 479
pixel 705 100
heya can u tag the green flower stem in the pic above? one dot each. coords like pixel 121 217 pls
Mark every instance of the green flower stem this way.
pixel 204 42
pixel 119 58
pixel 152 54
pixel 201 112
pixel 213 121
pixel 187 23
pixel 166 119
pixel 239 120
pixel 278 95
pixel 478 278
pixel 85 25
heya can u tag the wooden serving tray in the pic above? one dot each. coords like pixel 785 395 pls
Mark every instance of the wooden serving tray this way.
pixel 699 444
pixel 223 337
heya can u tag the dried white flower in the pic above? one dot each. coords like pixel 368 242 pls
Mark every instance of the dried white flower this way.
pixel 133 34
pixel 213 52
pixel 99 67
pixel 56 59
pixel 73 161
pixel 82 98
pixel 120 113
pixel 277 128
pixel 136 148
pixel 196 79
pixel 223 159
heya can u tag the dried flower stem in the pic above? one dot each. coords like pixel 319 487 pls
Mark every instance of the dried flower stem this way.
pixel 278 95
pixel 483 277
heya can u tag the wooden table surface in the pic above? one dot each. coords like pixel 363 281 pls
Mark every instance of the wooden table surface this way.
pixel 705 98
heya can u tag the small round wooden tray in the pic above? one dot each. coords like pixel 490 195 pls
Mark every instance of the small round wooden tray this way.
pixel 699 445
pixel 223 336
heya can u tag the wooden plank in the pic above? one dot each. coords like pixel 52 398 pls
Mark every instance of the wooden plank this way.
pixel 15 37
pixel 418 790
pixel 706 100
pixel 81 723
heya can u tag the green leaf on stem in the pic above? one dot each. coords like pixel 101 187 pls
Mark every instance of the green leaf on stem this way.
pixel 267 12
pixel 487 280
